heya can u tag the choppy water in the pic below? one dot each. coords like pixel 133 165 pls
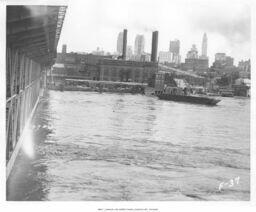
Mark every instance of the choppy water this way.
pixel 90 146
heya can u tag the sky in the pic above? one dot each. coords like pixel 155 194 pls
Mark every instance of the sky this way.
pixel 96 23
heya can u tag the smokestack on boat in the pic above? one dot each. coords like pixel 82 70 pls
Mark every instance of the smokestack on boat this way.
pixel 154 46
pixel 124 44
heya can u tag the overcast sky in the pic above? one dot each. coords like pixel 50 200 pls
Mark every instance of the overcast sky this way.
pixel 96 23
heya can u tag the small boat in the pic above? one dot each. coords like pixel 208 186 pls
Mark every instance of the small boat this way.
pixel 182 95
pixel 190 99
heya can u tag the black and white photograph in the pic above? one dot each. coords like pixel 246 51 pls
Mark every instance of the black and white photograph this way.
pixel 127 100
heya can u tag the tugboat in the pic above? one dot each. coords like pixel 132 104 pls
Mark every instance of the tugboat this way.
pixel 172 89
pixel 181 95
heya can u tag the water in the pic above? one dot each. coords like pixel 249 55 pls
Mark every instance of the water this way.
pixel 90 146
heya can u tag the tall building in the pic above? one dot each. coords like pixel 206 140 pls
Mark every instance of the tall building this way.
pixel 174 48
pixel 204 46
pixel 64 49
pixel 119 46
pixel 192 53
pixel 139 45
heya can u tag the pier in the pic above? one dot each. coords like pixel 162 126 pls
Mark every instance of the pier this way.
pixel 32 37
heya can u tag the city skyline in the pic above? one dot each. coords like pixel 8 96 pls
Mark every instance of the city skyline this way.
pixel 187 21
pixel 174 49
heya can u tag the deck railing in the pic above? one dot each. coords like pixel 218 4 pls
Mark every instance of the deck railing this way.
pixel 23 80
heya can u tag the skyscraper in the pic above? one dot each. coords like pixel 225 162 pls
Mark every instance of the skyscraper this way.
pixel 192 53
pixel 64 49
pixel 139 45
pixel 119 46
pixel 204 46
pixel 175 47
pixel 175 50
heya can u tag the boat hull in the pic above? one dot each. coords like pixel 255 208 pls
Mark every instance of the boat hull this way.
pixel 189 99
